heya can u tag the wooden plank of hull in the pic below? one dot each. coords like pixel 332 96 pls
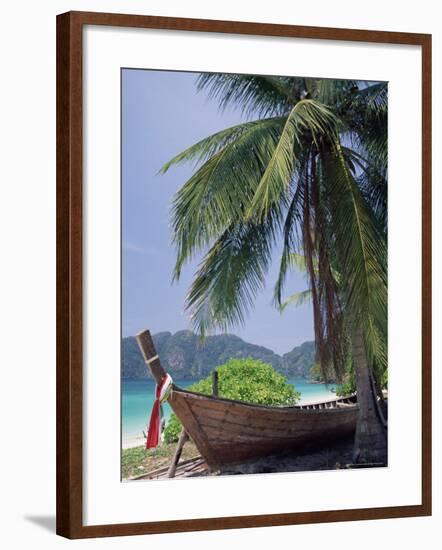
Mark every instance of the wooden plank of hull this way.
pixel 193 427
pixel 228 432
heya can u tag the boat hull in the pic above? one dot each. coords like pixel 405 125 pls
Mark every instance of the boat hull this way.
pixel 230 432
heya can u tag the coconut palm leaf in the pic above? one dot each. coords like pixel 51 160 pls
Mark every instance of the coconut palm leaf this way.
pixel 307 117
pixel 367 116
pixel 292 233
pixel 361 252
pixel 209 146
pixel 297 261
pixel 373 99
pixel 328 91
pixel 230 276
pixel 222 188
pixel 372 181
pixel 254 94
pixel 296 299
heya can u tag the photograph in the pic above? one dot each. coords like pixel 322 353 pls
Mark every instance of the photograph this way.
pixel 254 277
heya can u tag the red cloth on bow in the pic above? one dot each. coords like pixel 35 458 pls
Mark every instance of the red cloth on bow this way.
pixel 153 434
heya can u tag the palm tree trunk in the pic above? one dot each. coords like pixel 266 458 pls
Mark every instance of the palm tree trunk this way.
pixel 371 436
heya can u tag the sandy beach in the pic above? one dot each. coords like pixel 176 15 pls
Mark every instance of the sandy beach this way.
pixel 133 442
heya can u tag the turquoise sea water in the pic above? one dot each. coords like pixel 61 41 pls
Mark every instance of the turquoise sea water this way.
pixel 138 397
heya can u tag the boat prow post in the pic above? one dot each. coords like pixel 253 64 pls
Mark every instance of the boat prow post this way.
pixel 150 356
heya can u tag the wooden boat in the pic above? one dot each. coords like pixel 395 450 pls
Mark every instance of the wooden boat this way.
pixel 227 431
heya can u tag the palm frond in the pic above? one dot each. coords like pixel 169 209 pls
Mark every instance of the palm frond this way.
pixel 230 276
pixel 299 261
pixel 292 240
pixel 209 146
pixel 361 254
pixel 307 117
pixel 373 99
pixel 254 94
pixel 329 91
pixel 367 116
pixel 221 189
pixel 372 182
pixel 296 299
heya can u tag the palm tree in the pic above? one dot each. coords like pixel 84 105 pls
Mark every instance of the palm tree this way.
pixel 370 387
pixel 310 171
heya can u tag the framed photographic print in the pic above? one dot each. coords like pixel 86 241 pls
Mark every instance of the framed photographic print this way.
pixel 243 274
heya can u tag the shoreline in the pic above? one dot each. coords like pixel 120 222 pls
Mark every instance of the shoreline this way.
pixel 133 440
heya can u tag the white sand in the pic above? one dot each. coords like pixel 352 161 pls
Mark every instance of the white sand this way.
pixel 133 442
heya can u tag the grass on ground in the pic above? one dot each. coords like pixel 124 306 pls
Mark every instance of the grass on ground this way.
pixel 137 461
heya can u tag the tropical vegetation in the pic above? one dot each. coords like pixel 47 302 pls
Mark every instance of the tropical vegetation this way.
pixel 138 461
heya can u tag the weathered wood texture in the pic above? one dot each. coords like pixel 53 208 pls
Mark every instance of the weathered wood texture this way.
pixel 179 449
pixel 149 354
pixel 187 468
pixel 371 435
pixel 228 432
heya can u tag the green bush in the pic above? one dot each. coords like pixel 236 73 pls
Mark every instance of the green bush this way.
pixel 172 429
pixel 248 380
pixel 348 385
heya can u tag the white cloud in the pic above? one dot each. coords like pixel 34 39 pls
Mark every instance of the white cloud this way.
pixel 137 249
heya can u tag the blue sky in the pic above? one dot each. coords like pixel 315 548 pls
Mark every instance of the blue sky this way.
pixel 162 114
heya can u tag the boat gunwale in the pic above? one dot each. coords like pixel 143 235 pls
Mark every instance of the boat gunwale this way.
pixel 292 408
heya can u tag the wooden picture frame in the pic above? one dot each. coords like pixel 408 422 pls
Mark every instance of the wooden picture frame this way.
pixel 70 272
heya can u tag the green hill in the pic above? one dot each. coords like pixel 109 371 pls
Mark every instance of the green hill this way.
pixel 298 362
pixel 185 358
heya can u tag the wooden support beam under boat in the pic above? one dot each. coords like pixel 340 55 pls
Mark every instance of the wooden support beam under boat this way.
pixel 176 457
pixel 184 436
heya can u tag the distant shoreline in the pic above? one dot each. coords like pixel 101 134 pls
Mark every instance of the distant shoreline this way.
pixel 184 357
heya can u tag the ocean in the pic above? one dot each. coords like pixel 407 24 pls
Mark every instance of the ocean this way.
pixel 138 397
